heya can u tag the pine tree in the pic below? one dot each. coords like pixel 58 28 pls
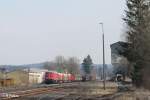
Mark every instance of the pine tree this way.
pixel 137 36
pixel 87 65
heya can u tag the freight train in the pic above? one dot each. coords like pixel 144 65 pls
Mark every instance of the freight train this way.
pixel 56 77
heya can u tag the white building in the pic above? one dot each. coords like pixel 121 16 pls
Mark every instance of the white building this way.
pixel 36 76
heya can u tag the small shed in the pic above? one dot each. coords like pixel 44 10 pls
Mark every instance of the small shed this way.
pixel 7 82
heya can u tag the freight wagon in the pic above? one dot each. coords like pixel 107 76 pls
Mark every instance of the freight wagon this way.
pixel 55 77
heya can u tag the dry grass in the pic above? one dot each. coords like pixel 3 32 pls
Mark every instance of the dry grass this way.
pixel 20 77
pixel 139 94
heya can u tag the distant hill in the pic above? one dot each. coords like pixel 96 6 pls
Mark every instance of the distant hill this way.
pixel 40 65
pixel 36 65
pixel 10 68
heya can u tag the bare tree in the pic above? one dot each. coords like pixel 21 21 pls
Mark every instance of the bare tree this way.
pixel 73 65
pixel 50 65
pixel 61 64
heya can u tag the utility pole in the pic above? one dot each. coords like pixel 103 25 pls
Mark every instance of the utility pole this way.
pixel 4 76
pixel 28 75
pixel 103 38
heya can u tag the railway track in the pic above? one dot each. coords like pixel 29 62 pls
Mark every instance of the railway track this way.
pixel 31 92
pixel 35 91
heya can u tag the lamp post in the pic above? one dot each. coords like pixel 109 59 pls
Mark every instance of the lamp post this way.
pixel 103 38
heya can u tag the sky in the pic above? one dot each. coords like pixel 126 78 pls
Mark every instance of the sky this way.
pixel 34 31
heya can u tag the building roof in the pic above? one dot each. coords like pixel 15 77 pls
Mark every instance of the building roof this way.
pixel 37 70
pixel 119 47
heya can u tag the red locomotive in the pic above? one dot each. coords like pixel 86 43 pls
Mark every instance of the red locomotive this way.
pixel 55 77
